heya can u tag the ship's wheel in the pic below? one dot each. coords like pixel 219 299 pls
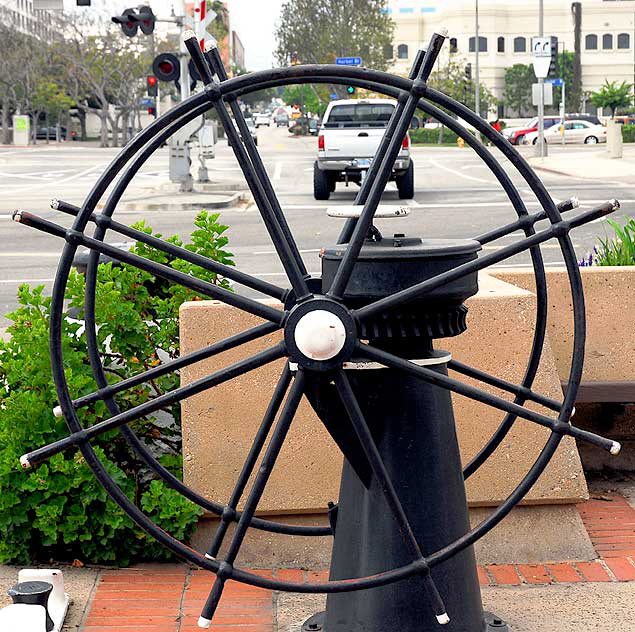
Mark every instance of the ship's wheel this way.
pixel 321 332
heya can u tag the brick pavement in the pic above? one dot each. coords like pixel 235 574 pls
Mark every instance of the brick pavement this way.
pixel 169 597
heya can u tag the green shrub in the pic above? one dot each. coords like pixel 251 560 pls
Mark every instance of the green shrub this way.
pixel 628 133
pixel 58 510
pixel 424 136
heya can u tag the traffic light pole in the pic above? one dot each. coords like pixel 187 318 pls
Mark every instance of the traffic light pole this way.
pixel 542 146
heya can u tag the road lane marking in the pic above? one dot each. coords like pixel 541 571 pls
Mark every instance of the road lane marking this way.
pixel 277 172
pixel 438 165
pixel 273 252
pixel 81 174
pixel 7 281
pixel 29 254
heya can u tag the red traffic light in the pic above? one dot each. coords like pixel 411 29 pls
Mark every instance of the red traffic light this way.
pixel 152 86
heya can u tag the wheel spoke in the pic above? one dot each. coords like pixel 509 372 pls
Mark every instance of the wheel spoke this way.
pixel 255 174
pixel 523 223
pixel 216 63
pixel 157 269
pixel 419 289
pixel 369 447
pixel 516 389
pixel 264 471
pixel 378 184
pixel 391 128
pixel 177 251
pixel 173 365
pixel 151 406
pixel 254 452
pixel 438 379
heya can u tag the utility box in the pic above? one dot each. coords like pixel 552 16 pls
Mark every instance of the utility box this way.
pixel 21 129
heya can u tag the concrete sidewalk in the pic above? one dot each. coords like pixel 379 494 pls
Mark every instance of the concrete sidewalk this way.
pixel 592 162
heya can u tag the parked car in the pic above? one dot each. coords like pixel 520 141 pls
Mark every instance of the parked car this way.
pixel 574 132
pixel 347 141
pixel 515 135
pixel 252 130
pixel 282 120
pixel 40 134
pixel 314 126
pixel 262 119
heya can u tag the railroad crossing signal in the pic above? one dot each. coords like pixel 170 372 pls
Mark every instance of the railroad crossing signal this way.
pixel 130 21
pixel 165 67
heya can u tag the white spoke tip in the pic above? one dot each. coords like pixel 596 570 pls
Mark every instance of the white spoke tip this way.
pixel 55 204
pixel 57 411
pixel 203 622
pixel 443 619
pixel 210 44
pixel 615 448
pixel 188 34
pixel 209 557
pixel 443 32
pixel 24 462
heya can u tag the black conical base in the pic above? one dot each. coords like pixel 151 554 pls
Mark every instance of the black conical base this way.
pixel 413 426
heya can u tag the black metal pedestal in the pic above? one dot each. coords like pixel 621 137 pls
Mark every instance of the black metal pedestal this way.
pixel 413 425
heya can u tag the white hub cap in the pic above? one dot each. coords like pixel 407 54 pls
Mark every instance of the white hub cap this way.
pixel 320 335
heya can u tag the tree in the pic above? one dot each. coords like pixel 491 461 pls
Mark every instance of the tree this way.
pixel 517 91
pixel 313 98
pixel 49 98
pixel 321 30
pixel 565 67
pixel 452 81
pixel 575 96
pixel 610 95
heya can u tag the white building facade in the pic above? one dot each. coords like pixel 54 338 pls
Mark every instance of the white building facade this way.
pixel 21 15
pixel 505 31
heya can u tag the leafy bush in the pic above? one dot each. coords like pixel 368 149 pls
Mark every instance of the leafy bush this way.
pixel 616 251
pixel 424 136
pixel 58 510
pixel 628 133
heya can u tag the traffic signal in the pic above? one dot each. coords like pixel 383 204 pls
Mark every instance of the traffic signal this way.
pixel 146 19
pixel 131 21
pixel 152 84
pixel 165 67
pixel 152 111
pixel 128 22
pixel 468 72
pixel 351 90
pixel 553 64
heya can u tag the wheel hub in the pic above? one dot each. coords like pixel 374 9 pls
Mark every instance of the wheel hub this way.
pixel 320 334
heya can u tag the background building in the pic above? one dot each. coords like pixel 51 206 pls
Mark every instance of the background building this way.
pixel 505 31
pixel 20 15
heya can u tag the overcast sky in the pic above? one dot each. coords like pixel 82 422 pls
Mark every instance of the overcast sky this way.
pixel 254 21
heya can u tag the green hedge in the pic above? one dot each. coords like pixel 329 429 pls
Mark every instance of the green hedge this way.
pixel 424 136
pixel 628 133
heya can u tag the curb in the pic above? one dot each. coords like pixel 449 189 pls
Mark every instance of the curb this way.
pixel 230 201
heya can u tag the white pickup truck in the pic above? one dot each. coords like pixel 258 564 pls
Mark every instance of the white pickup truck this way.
pixel 347 141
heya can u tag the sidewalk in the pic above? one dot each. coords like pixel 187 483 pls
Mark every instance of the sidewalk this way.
pixel 591 162
pixel 571 596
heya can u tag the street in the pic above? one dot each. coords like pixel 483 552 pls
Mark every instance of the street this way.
pixel 456 196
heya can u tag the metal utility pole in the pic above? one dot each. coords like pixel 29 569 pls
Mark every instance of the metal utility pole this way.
pixel 541 146
pixel 477 83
